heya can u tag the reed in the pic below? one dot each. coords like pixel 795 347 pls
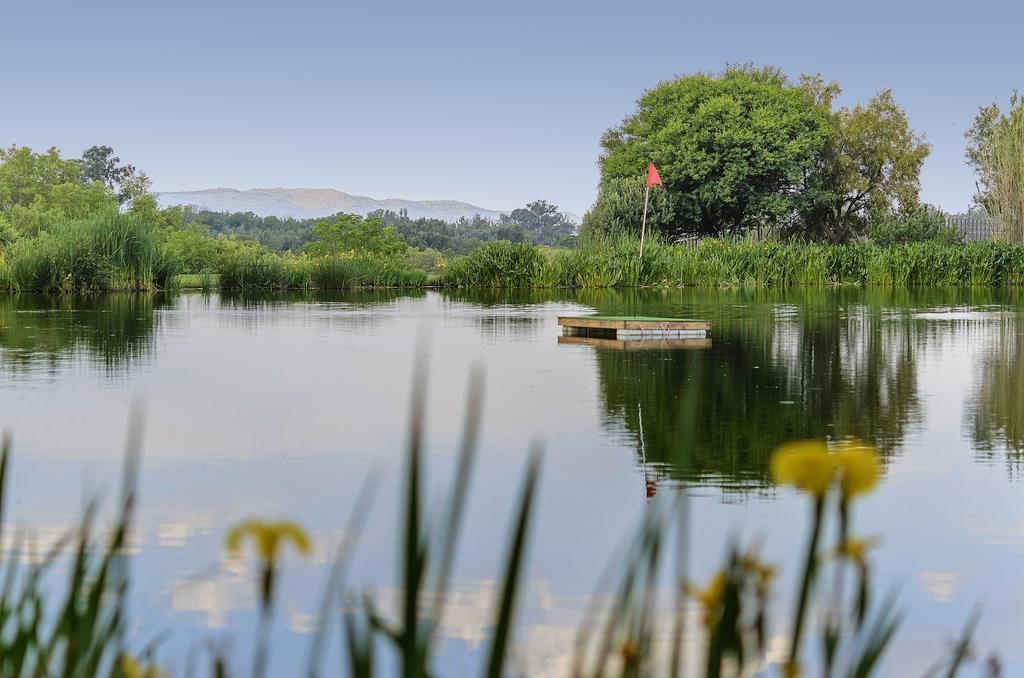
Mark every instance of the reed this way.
pixel 105 252
pixel 78 627
pixel 497 264
pixel 614 262
pixel 254 269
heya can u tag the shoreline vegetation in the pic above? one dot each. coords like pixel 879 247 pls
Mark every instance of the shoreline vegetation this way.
pixel 766 183
pixel 115 253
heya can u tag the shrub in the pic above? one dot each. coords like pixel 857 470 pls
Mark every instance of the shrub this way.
pixel 196 251
pixel 107 251
pixel 497 264
pixel 922 225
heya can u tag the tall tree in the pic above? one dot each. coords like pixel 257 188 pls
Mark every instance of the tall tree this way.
pixel 733 149
pixel 354 233
pixel 870 164
pixel 40 189
pixel 995 149
pixel 99 164
pixel 542 222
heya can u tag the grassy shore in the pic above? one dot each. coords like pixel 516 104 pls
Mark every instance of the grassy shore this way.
pixel 715 263
pixel 106 252
pixel 117 252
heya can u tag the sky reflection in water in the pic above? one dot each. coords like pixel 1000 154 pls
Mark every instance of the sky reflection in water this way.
pixel 281 406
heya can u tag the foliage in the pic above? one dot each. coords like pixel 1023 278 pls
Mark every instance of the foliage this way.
pixel 995 150
pixel 99 164
pixel 497 264
pixel 245 265
pixel 78 629
pixel 278 234
pixel 619 208
pixel 870 164
pixel 542 222
pixel 194 249
pixel 748 150
pixel 459 237
pixel 353 233
pixel 39 190
pixel 7 233
pixel 350 272
pixel 732 149
pixel 206 282
pixel 921 225
pixel 108 251
pixel 428 260
pixel 613 262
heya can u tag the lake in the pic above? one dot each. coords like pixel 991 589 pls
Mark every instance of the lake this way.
pixel 280 406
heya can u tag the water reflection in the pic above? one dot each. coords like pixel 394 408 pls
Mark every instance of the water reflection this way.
pixel 822 364
pixel 994 412
pixel 43 334
pixel 279 404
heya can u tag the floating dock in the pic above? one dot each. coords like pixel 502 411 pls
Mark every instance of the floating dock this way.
pixel 632 328
pixel 637 344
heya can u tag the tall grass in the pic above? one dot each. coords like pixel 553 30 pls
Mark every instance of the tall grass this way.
pixel 252 269
pixel 614 262
pixel 497 264
pixel 77 629
pixel 105 252
pixel 341 273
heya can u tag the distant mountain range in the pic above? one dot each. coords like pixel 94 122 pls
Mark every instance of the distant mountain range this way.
pixel 309 203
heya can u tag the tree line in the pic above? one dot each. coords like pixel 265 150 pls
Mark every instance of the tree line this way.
pixel 744 151
pixel 749 150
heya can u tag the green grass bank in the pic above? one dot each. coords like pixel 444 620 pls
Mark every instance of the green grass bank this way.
pixel 117 252
pixel 716 263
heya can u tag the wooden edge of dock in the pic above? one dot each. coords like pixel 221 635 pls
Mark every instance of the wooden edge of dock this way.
pixel 627 324
pixel 636 344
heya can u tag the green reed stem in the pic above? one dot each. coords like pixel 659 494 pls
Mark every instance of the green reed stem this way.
pixel 810 569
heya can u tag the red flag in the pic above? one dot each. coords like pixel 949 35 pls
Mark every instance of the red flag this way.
pixel 653 178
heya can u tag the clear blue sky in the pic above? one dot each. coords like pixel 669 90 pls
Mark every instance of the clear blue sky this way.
pixel 495 103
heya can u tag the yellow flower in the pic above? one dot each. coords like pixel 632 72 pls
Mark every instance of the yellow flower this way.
pixel 805 464
pixel 859 468
pixel 268 538
pixel 763 573
pixel 856 548
pixel 711 597
pixel 629 652
pixel 132 668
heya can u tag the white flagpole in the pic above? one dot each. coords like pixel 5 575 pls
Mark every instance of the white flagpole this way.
pixel 643 224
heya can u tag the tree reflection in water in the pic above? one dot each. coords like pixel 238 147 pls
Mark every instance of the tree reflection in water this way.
pixel 781 366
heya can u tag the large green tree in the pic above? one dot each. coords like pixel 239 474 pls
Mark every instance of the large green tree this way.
pixel 353 233
pixel 870 164
pixel 39 189
pixel 734 149
pixel 99 164
pixel 542 222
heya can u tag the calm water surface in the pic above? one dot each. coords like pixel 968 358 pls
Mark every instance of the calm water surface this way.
pixel 280 407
